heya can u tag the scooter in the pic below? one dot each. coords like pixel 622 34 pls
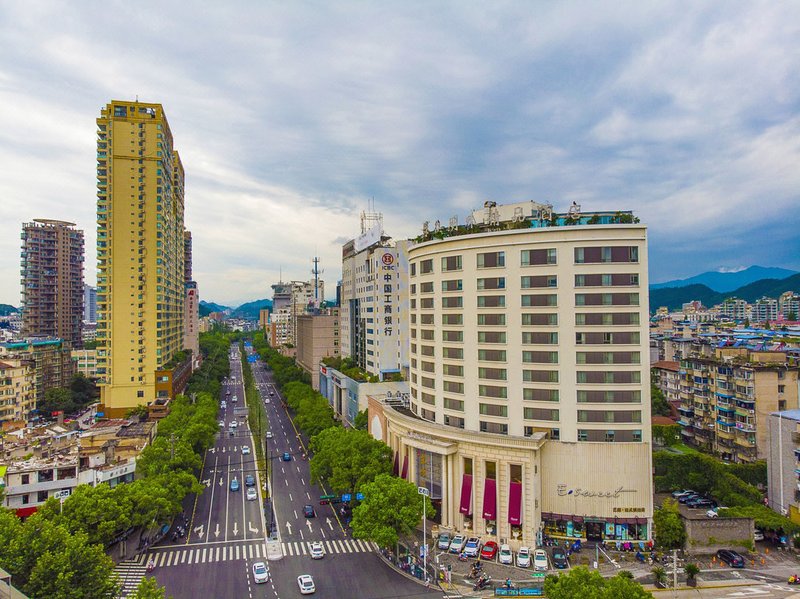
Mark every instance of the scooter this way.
pixel 794 579
pixel 151 565
pixel 482 582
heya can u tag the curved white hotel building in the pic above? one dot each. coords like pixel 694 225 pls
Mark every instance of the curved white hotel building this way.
pixel 529 376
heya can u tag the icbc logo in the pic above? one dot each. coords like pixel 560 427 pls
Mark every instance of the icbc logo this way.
pixel 387 259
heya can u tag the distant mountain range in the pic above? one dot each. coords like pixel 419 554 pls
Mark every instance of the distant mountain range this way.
pixel 675 297
pixel 249 310
pixel 729 281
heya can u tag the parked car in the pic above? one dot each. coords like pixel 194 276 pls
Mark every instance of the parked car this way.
pixel 252 494
pixel 489 550
pixel 317 550
pixel 472 546
pixel 260 572
pixel 540 560
pixel 457 544
pixel 733 558
pixel 701 503
pixel 559 557
pixel 690 497
pixel 524 557
pixel 443 541
pixel 234 485
pixel 758 535
pixel 308 511
pixel 306 584
pixel 506 556
pixel 681 493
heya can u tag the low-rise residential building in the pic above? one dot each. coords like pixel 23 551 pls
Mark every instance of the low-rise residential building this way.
pixel 17 397
pixel 52 359
pixel 783 464
pixel 317 338
pixel 665 374
pixel 764 310
pixel 789 305
pixel 349 395
pixel 85 362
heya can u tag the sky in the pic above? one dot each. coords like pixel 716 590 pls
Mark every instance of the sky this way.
pixel 291 118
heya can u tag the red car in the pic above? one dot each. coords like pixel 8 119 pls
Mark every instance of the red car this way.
pixel 489 550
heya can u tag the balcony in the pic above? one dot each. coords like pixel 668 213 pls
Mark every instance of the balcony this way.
pixel 743 441
pixel 723 434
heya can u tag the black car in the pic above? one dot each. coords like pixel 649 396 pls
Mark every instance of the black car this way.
pixel 733 558
pixel 559 557
pixel 308 511
pixel 702 502
pixel 688 498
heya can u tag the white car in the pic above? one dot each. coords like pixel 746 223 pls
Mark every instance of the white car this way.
pixel 245 449
pixel 306 584
pixel 222 424
pixel 540 560
pixel 457 544
pixel 506 556
pixel 252 494
pixel 260 572
pixel 523 557
pixel 317 550
pixel 269 434
pixel 233 424
pixel 234 399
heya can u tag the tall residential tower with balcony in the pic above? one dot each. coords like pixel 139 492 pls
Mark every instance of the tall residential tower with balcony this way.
pixel 140 252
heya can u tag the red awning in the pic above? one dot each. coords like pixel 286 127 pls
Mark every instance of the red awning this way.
pixel 515 504
pixel 405 466
pixel 466 494
pixel 396 466
pixel 489 499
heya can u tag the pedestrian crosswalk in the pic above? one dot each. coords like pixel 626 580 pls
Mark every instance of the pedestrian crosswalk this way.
pixel 299 548
pixel 130 573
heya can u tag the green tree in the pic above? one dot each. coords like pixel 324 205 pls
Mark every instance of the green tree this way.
pixel 10 529
pixel 669 530
pixel 658 403
pixel 361 420
pixel 149 589
pixel 391 507
pixel 57 399
pixel 348 459
pixel 582 583
pixel 139 411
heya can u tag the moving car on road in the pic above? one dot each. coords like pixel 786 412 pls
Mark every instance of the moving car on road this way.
pixel 540 560
pixel 249 481
pixel 308 511
pixel 286 457
pixel 523 557
pixel 506 556
pixel 472 547
pixel 317 550
pixel 269 434
pixel 260 572
pixel 252 494
pixel 234 485
pixel 489 550
pixel 245 449
pixel 306 584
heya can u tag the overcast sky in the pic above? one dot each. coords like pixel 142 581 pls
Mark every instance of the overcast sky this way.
pixel 289 117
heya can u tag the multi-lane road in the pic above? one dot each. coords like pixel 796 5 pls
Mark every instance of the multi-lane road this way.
pixel 227 533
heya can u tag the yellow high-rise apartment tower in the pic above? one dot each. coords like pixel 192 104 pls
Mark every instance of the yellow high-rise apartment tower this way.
pixel 140 255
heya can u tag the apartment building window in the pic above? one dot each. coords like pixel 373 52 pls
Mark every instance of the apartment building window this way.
pixel 538 301
pixel 617 357
pixel 491 320
pixel 538 257
pixel 606 299
pixel 491 301
pixel 41 496
pixel 529 338
pixel 453 370
pixel 452 319
pixel 452 285
pixel 451 263
pixel 540 357
pixel 491 283
pixel 622 396
pixel 607 280
pixel 497 374
pixel 426 267
pixel 543 320
pixel 540 394
pixel 426 287
pixel 453 421
pixel 453 387
pixel 608 377
pixel 540 376
pixel 541 414
pixel 453 336
pixel 452 302
pixel 487 409
pixel 598 255
pixel 538 281
pixel 493 391
pixel 781 388
pixel 491 336
pixel 499 428
pixel 457 405
pixel 26 479
pixel 492 355
pixel 453 353
pixel 491 260
pixel 607 318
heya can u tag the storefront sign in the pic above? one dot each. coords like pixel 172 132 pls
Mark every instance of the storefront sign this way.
pixel 563 491
pixel 628 509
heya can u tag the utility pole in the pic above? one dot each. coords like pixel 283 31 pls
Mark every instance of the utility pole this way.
pixel 425 493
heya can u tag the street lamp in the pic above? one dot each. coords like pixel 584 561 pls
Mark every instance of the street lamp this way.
pixel 425 493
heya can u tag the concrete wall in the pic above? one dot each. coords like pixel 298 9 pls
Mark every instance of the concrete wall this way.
pixel 710 534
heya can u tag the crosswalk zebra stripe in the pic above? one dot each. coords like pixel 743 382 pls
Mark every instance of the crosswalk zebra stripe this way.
pixel 303 548
pixel 328 546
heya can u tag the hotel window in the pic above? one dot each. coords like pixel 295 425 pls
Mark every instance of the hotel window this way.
pixel 617 357
pixel 606 299
pixel 429 415
pixel 499 428
pixel 597 255
pixel 452 319
pixel 585 396
pixel 453 387
pixel 539 281
pixel 538 257
pixel 540 394
pixel 428 382
pixel 427 366
pixel 426 287
pixel 453 353
pixel 452 302
pixel 413 269
pixel 426 318
pixel 497 374
pixel 491 320
pixel 491 336
pixel 426 303
pixel 487 409
pixel 492 391
pixel 453 421
pixel 425 267
pixel 608 377
pixel 540 357
pixel 617 338
pixel 491 260
pixel 457 405
pixel 607 280
pixel 492 355
pixel 428 399
pixel 413 288
pixel 451 263
pixel 491 301
pixel 529 338
pixel 427 350
pixel 540 376
pixel 491 283
pixel 541 414
pixel 544 320
pixel 453 370
pixel 414 318
pixel 468 466
pixel 452 285
pixel 426 334
pixel 620 416
pixel 453 336
pixel 608 318
pixel 533 301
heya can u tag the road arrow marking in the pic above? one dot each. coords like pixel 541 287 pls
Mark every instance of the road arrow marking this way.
pixel 289 527
pixel 207 482
pixel 220 481
pixel 250 528
pixel 199 530
pixel 235 528
pixel 329 523
pixel 216 530
pixel 308 523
